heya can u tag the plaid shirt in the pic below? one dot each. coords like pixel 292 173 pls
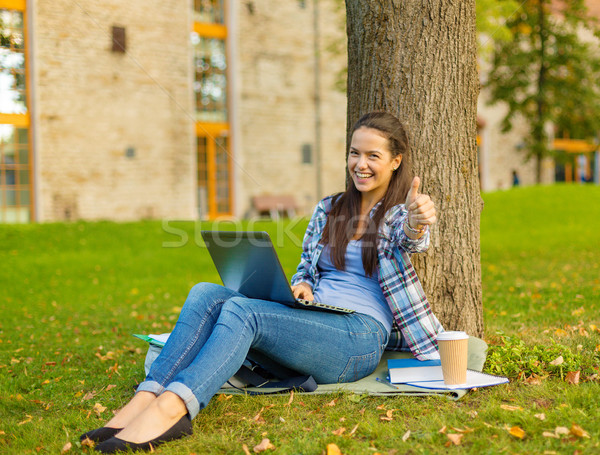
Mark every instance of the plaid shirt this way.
pixel 415 327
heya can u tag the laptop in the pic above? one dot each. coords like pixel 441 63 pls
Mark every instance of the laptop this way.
pixel 248 264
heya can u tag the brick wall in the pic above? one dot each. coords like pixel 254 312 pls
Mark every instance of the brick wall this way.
pixel 92 104
pixel 276 108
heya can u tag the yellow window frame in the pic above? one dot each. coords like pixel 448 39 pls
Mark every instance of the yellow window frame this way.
pixel 22 120
pixel 212 130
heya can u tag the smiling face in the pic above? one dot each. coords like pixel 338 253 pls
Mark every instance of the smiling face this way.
pixel 370 163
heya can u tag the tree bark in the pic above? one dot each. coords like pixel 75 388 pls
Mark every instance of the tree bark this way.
pixel 417 59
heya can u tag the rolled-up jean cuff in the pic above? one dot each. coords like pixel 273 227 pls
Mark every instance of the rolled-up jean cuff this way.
pixel 188 397
pixel 150 386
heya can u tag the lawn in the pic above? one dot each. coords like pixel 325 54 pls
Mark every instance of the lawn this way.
pixel 72 295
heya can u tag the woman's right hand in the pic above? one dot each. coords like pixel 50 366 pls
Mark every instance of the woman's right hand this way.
pixel 303 291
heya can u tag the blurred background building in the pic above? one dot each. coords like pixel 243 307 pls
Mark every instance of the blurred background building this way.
pixel 166 109
pixel 184 109
pixel 502 155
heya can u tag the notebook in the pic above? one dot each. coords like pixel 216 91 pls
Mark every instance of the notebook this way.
pixel 248 264
pixel 475 380
pixel 428 375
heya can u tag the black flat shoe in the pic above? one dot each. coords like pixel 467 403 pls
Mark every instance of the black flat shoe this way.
pixel 182 428
pixel 100 434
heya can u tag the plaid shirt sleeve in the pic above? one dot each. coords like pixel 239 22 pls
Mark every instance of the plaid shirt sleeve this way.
pixel 415 326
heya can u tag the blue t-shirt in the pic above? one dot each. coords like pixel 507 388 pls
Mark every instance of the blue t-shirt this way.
pixel 351 288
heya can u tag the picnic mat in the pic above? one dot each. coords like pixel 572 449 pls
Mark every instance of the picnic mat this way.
pixel 370 385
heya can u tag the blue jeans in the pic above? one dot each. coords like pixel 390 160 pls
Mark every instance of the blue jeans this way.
pixel 217 328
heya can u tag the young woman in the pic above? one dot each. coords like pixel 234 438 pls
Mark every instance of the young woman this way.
pixel 355 255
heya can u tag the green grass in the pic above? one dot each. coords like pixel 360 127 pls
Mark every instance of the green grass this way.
pixel 72 294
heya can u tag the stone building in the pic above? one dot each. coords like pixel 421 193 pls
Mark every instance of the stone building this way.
pixel 166 109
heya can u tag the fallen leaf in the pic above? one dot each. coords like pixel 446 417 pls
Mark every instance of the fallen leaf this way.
pixel 245 449
pixel 473 413
pixel 406 436
pixel 259 419
pixel 340 431
pixel 508 407
pixel 291 398
pixel 88 442
pixel 66 447
pixel 27 420
pixel 576 430
pixel 331 403
pixel 540 416
pixel 223 397
pixel 388 415
pixel 442 430
pixel 517 432
pixel 362 411
pixel 342 419
pixel 99 409
pixel 573 377
pixel 561 430
pixel 455 438
pixel 558 361
pixel 110 387
pixel 353 430
pixel 89 396
pixel 548 434
pixel 534 379
pixel 560 332
pixel 466 430
pixel 380 407
pixel 265 444
pixel 333 449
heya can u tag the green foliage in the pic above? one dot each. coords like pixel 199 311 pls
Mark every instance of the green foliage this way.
pixel 491 16
pixel 547 73
pixel 517 360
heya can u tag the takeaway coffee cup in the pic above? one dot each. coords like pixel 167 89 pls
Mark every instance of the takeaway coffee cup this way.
pixel 453 355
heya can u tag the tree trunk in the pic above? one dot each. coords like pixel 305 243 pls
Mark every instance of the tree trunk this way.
pixel 417 60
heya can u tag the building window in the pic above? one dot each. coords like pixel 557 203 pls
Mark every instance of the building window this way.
pixel 306 154
pixel 208 40
pixel 15 164
pixel 209 11
pixel 210 85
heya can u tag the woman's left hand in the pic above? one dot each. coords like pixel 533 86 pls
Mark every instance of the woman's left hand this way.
pixel 420 207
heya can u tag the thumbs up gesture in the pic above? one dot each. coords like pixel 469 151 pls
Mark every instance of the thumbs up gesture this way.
pixel 421 210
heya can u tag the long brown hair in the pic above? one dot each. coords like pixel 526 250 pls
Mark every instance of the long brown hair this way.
pixel 342 221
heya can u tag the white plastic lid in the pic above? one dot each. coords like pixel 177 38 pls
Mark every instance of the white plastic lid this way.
pixel 452 336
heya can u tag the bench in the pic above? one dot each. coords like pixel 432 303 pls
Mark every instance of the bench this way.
pixel 275 206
